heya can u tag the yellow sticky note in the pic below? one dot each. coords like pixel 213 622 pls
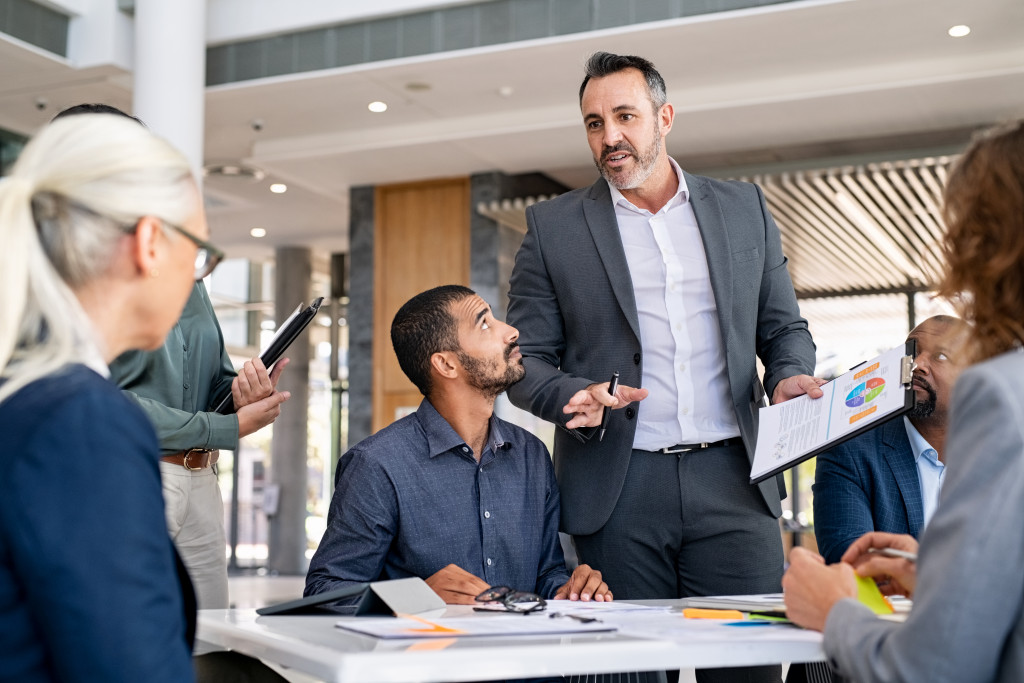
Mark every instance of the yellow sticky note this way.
pixel 869 595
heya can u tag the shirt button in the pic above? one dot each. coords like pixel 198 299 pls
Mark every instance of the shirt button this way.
pixel 630 413
pixel 489 563
pixel 465 449
pixel 636 359
pixel 682 367
pixel 679 326
pixel 685 411
pixel 487 514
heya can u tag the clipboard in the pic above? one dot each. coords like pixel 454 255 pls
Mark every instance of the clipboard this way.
pixel 861 399
pixel 287 333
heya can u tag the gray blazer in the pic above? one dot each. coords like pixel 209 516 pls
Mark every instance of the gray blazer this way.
pixel 968 618
pixel 571 296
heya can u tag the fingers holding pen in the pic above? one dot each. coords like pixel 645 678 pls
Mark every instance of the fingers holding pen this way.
pixel 586 405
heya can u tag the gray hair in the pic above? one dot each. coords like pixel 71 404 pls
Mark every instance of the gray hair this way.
pixel 75 189
pixel 603 64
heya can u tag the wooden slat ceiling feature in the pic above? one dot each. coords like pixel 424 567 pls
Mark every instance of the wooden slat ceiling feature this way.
pixel 869 229
pixel 860 229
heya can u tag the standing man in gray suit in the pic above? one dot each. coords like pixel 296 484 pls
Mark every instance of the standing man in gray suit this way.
pixel 675 282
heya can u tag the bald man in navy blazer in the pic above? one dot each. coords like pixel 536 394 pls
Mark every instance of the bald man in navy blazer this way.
pixel 676 282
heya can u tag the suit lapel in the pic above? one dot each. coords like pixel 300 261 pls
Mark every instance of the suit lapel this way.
pixel 900 457
pixel 715 236
pixel 600 216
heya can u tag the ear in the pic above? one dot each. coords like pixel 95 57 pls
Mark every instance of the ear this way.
pixel 445 364
pixel 666 115
pixel 147 246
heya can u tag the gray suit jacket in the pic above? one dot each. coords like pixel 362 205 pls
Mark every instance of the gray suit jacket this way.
pixel 968 617
pixel 572 299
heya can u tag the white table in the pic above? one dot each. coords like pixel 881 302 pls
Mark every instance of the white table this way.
pixel 314 646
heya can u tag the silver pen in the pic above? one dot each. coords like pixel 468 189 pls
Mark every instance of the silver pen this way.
pixel 893 552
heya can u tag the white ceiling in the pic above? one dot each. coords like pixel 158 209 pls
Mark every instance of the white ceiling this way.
pixel 757 82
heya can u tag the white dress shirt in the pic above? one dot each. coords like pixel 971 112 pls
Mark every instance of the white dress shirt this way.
pixel 683 356
pixel 929 469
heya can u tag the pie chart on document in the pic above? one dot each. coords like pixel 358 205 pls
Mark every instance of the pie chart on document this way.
pixel 865 392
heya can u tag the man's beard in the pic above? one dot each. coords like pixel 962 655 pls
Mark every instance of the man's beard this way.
pixel 642 170
pixel 925 408
pixel 480 373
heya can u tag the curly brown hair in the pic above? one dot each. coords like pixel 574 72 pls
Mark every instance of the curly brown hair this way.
pixel 984 245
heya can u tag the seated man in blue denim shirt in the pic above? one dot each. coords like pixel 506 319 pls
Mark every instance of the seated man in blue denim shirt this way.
pixel 451 494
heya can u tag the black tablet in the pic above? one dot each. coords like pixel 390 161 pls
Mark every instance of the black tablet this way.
pixel 330 602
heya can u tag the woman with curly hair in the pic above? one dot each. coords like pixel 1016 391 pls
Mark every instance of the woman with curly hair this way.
pixel 967 623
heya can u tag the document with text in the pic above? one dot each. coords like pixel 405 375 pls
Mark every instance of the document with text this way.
pixel 869 394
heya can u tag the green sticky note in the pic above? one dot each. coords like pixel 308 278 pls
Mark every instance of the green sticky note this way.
pixel 869 596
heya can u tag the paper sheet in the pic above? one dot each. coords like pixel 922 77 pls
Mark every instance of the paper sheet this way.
pixel 792 429
pixel 488 624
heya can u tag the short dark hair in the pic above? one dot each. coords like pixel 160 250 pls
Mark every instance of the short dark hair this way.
pixel 423 326
pixel 95 108
pixel 603 64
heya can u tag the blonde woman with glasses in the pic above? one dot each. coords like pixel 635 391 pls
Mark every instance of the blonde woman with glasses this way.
pixel 102 228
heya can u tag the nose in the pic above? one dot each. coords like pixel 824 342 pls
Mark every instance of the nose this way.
pixel 612 134
pixel 923 363
pixel 511 334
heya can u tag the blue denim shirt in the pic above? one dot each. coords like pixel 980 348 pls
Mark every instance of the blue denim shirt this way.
pixel 411 499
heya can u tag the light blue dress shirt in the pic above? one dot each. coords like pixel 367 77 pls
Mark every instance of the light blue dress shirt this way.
pixel 929 469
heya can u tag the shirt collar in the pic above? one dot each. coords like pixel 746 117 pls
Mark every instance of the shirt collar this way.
pixel 441 438
pixel 681 196
pixel 919 445
pixel 90 354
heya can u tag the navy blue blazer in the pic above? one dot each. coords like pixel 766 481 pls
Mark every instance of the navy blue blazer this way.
pixel 88 588
pixel 869 483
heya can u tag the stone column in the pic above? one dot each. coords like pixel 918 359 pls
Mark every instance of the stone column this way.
pixel 287 542
pixel 360 314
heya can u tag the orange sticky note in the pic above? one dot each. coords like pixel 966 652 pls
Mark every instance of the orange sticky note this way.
pixel 694 613
pixel 431 627
pixel 435 644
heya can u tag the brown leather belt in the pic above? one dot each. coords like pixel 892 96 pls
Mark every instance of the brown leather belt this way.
pixel 194 459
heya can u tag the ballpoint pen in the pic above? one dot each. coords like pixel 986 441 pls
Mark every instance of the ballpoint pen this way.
pixel 613 385
pixel 893 552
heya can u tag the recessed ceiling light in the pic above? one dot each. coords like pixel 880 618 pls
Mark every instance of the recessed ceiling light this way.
pixel 278 188
pixel 377 107
pixel 506 91
pixel 258 232
pixel 959 31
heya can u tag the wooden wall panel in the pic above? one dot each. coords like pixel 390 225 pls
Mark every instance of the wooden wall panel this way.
pixel 421 240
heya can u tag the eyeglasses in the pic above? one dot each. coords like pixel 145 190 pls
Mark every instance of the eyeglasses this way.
pixel 511 599
pixel 207 257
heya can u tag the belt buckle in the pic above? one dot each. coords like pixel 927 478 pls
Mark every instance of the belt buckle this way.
pixel 188 454
pixel 669 450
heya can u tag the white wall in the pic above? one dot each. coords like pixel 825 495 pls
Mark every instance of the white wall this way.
pixel 230 20
pixel 99 33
